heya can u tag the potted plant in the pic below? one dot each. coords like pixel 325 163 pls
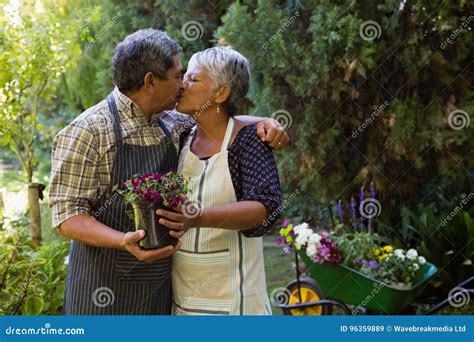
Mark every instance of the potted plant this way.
pixel 147 193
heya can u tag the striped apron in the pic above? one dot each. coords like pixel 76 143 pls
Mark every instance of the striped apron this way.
pixel 216 271
pixel 105 281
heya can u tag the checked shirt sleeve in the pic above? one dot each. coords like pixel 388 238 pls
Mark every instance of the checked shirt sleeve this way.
pixel 74 172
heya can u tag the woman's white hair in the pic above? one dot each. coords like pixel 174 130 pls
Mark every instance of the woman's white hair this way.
pixel 226 67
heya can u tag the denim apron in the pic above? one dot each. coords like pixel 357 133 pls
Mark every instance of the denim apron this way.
pixel 105 281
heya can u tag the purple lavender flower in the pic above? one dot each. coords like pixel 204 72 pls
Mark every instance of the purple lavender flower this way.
pixel 373 193
pixel 361 194
pixel 352 210
pixel 340 211
pixel 361 199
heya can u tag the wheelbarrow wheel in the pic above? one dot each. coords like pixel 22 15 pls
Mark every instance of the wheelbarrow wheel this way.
pixel 310 292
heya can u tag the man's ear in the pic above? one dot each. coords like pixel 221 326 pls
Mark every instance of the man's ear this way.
pixel 149 81
pixel 223 94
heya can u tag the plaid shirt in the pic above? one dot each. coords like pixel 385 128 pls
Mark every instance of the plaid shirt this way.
pixel 83 153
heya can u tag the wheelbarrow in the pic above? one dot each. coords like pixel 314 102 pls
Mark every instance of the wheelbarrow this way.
pixel 330 286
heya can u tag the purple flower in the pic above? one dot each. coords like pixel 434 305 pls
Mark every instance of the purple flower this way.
pixel 361 194
pixel 361 199
pixel 287 250
pixel 279 241
pixel 285 223
pixel 373 193
pixel 373 264
pixel 352 209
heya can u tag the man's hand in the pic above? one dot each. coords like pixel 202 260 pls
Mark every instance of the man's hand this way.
pixel 270 131
pixel 130 244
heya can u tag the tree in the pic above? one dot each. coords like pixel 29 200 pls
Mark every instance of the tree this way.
pixel 38 44
pixel 369 92
pixel 192 26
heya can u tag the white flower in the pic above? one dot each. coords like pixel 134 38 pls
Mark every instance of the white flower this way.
pixel 421 260
pixel 311 250
pixel 302 237
pixel 412 254
pixel 303 232
pixel 300 227
pixel 314 238
pixel 66 260
pixel 399 254
pixel 416 266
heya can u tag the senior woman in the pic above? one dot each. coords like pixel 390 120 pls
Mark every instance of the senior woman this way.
pixel 235 194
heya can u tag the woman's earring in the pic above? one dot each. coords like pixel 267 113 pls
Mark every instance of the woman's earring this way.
pixel 218 109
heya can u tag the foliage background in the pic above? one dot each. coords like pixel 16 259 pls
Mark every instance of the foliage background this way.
pixel 308 59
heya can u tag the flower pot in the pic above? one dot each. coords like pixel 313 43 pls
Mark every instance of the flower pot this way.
pixel 157 235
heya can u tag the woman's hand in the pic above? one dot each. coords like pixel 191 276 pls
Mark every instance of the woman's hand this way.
pixel 273 133
pixel 187 215
pixel 268 130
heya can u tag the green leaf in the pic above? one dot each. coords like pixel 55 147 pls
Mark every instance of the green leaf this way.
pixel 33 305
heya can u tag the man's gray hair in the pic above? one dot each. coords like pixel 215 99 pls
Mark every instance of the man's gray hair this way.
pixel 141 52
pixel 226 67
